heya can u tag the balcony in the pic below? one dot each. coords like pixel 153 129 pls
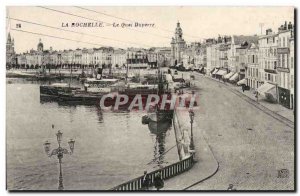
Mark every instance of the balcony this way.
pixel 283 50
pixel 283 69
pixel 223 58
pixel 272 71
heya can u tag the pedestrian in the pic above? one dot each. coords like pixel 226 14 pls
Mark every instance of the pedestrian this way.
pixel 145 181
pixel 158 181
pixel 243 88
pixel 256 96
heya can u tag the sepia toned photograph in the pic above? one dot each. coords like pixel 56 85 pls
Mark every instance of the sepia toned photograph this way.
pixel 150 99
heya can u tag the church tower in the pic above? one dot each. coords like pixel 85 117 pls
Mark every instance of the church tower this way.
pixel 10 50
pixel 177 45
pixel 40 46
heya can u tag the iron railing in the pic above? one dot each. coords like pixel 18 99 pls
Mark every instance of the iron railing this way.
pixel 166 173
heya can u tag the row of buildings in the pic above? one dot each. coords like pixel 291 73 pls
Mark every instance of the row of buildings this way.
pixel 87 57
pixel 263 63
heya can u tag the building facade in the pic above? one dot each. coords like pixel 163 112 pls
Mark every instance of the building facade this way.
pixel 137 59
pixel 118 58
pixel 268 58
pixel 285 64
pixel 252 67
pixel 177 46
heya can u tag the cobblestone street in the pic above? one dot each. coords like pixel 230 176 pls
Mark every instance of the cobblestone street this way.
pixel 249 145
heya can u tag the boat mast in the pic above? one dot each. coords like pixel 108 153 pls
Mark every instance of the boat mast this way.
pixel 71 76
pixel 127 67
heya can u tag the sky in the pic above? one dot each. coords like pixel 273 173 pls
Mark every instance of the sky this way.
pixel 198 23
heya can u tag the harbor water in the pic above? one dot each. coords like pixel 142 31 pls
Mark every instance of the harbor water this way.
pixel 110 147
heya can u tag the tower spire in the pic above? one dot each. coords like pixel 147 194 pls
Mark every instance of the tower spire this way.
pixel 9 37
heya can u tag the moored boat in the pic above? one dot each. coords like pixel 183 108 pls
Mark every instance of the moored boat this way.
pixel 99 85
pixel 84 98
pixel 54 89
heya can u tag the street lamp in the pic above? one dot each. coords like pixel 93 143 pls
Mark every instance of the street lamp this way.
pixel 192 115
pixel 59 152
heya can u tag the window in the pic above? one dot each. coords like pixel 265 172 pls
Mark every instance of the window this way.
pixel 292 81
pixel 275 64
pixel 283 80
pixel 283 60
pixel 266 65
pixel 283 42
pixel 279 42
pixel 292 62
pixel 271 51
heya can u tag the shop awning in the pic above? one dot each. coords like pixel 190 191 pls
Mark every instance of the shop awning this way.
pixel 221 72
pixel 211 71
pixel 227 76
pixel 265 88
pixel 215 71
pixel 242 81
pixel 234 77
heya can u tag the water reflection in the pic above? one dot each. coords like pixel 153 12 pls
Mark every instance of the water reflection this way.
pixel 159 129
pixel 112 146
pixel 100 114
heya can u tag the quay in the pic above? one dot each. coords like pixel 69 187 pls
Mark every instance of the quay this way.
pixel 194 167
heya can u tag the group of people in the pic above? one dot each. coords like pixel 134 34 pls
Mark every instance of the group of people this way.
pixel 146 181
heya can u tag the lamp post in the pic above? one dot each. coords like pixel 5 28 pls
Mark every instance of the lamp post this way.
pixel 59 152
pixel 192 115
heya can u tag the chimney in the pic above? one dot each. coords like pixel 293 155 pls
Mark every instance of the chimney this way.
pixel 285 25
pixel 290 26
pixel 268 31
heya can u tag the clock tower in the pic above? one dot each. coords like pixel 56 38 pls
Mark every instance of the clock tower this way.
pixel 177 46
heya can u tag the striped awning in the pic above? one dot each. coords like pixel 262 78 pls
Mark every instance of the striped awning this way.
pixel 215 71
pixel 242 81
pixel 227 76
pixel 221 72
pixel 234 77
pixel 265 88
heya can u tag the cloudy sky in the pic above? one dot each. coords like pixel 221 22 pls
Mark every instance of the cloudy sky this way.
pixel 197 23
